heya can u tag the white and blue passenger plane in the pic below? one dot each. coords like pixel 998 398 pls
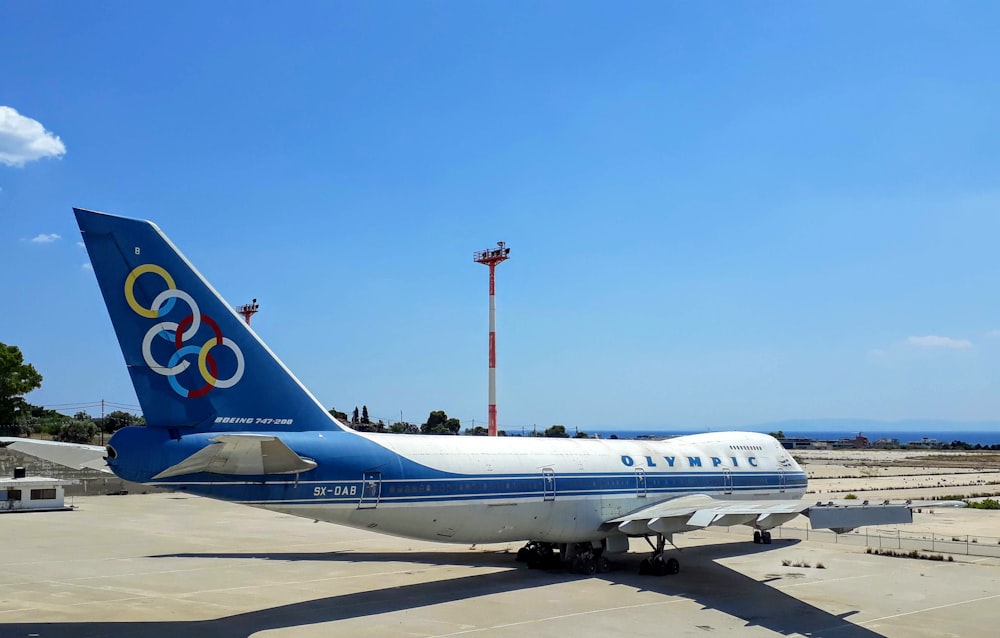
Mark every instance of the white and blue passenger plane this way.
pixel 226 419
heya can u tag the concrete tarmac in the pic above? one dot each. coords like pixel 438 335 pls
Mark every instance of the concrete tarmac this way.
pixel 176 566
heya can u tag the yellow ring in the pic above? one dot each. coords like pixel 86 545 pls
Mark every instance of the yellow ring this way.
pixel 203 362
pixel 130 287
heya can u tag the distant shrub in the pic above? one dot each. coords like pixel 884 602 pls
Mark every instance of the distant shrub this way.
pixel 851 497
pixel 910 554
pixel 77 432
pixel 985 504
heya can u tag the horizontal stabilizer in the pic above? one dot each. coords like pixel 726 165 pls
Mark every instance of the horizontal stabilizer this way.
pixel 75 455
pixel 242 455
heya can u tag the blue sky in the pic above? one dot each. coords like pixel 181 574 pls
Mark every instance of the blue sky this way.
pixel 720 214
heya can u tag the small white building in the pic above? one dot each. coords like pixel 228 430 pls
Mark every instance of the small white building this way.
pixel 33 494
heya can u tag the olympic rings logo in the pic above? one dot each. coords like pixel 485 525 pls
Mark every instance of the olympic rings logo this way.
pixel 179 334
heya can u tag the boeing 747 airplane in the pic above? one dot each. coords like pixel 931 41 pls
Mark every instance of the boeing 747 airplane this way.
pixel 226 419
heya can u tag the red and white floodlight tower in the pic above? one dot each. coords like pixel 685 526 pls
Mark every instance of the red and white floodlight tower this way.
pixel 248 310
pixel 491 257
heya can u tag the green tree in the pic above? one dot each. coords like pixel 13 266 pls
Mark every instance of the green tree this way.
pixel 17 378
pixel 402 427
pixel 337 414
pixel 581 435
pixel 780 435
pixel 477 431
pixel 354 417
pixel 116 421
pixel 77 432
pixel 364 415
pixel 434 419
pixel 557 432
pixel 439 423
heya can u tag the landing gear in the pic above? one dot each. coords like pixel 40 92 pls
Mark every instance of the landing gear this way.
pixel 588 560
pixel 582 558
pixel 539 555
pixel 657 564
pixel 760 537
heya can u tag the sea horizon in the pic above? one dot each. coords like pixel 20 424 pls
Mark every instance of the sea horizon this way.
pixel 972 437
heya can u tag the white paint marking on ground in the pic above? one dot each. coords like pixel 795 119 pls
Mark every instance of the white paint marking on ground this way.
pixel 10 611
pixel 926 609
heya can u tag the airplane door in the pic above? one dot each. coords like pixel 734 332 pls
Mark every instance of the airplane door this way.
pixel 640 482
pixel 549 483
pixel 727 481
pixel 371 490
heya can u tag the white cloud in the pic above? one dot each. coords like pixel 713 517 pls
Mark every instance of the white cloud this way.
pixel 23 139
pixel 45 238
pixel 933 341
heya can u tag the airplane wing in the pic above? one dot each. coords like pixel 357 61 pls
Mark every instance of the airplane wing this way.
pixel 242 454
pixel 75 455
pixel 697 511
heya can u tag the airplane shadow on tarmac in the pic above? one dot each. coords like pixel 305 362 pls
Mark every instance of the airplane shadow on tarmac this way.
pixel 702 580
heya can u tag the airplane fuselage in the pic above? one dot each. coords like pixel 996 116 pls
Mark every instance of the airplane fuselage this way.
pixel 475 489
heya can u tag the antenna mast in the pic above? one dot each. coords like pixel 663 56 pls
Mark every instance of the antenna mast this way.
pixel 248 310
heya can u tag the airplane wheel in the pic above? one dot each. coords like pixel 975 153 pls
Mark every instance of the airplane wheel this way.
pixel 533 560
pixel 659 566
pixel 522 555
pixel 603 565
pixel 766 538
pixel 645 567
pixel 589 566
pixel 756 537
pixel 673 566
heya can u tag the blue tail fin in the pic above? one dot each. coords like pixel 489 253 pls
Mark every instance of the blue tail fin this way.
pixel 194 363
